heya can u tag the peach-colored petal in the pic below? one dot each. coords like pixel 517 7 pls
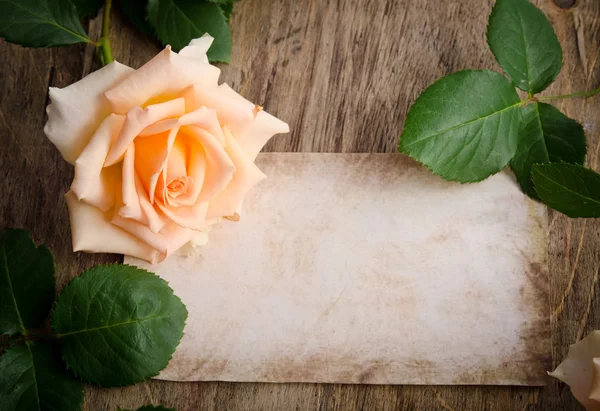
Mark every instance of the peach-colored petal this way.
pixel 196 173
pixel 92 232
pixel 264 126
pixel 167 241
pixel 150 154
pixel 147 213
pixel 178 236
pixel 93 183
pixel 192 217
pixel 136 204
pixel 594 394
pixel 234 111
pixel 177 161
pixel 246 175
pixel 77 110
pixel 142 232
pixel 153 159
pixel 219 167
pixel 207 119
pixel 197 48
pixel 577 370
pixel 131 201
pixel 138 119
pixel 162 78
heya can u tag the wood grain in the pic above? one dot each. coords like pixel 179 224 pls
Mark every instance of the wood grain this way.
pixel 342 73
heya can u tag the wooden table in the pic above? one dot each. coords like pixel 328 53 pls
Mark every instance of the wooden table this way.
pixel 343 74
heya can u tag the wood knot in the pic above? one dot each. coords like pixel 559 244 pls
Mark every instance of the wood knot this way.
pixel 565 4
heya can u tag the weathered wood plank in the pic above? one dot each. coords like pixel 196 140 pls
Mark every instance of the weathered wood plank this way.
pixel 343 74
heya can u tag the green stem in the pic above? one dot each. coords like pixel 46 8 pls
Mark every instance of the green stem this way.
pixel 581 94
pixel 104 42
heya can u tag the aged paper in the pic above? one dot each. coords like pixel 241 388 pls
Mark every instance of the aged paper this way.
pixel 366 268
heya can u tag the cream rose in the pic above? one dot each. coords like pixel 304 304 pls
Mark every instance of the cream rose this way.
pixel 160 153
pixel 581 371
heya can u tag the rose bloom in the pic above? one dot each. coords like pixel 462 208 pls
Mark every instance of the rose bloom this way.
pixel 581 371
pixel 161 153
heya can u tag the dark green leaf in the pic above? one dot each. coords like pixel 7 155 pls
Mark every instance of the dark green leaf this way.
pixel 177 22
pixel 569 188
pixel 88 8
pixel 546 135
pixel 226 6
pixel 464 127
pixel 40 23
pixel 26 282
pixel 118 325
pixel 152 408
pixel 135 10
pixel 524 43
pixel 32 378
pixel 227 10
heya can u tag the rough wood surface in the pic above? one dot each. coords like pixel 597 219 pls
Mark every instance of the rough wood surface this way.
pixel 343 74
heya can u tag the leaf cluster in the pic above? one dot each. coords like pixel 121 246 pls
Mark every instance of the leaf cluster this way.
pixel 470 125
pixel 112 325
pixel 48 23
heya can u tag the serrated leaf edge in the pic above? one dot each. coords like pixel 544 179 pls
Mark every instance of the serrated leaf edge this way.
pixel 66 364
pixel 42 246
pixel 409 114
pixel 562 55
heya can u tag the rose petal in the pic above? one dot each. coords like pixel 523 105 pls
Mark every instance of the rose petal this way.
pixel 162 78
pixel 207 119
pixel 594 394
pixel 246 175
pixel 254 138
pixel 77 110
pixel 197 48
pixel 149 215
pixel 169 240
pixel 138 119
pixel 196 171
pixel 192 217
pixel 219 167
pixel 131 200
pixel 178 236
pixel 142 232
pixel 203 117
pixel 93 183
pixel 153 157
pixel 177 161
pixel 234 111
pixel 92 232
pixel 577 369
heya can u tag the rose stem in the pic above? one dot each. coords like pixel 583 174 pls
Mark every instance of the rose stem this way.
pixel 581 94
pixel 104 42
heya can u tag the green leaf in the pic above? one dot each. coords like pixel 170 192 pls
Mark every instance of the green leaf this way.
pixel 177 22
pixel 464 127
pixel 135 10
pixel 151 408
pixel 26 282
pixel 32 378
pixel 524 43
pixel 546 135
pixel 226 6
pixel 118 325
pixel 569 188
pixel 228 9
pixel 88 8
pixel 41 23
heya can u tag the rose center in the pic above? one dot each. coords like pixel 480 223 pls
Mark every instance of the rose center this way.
pixel 179 186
